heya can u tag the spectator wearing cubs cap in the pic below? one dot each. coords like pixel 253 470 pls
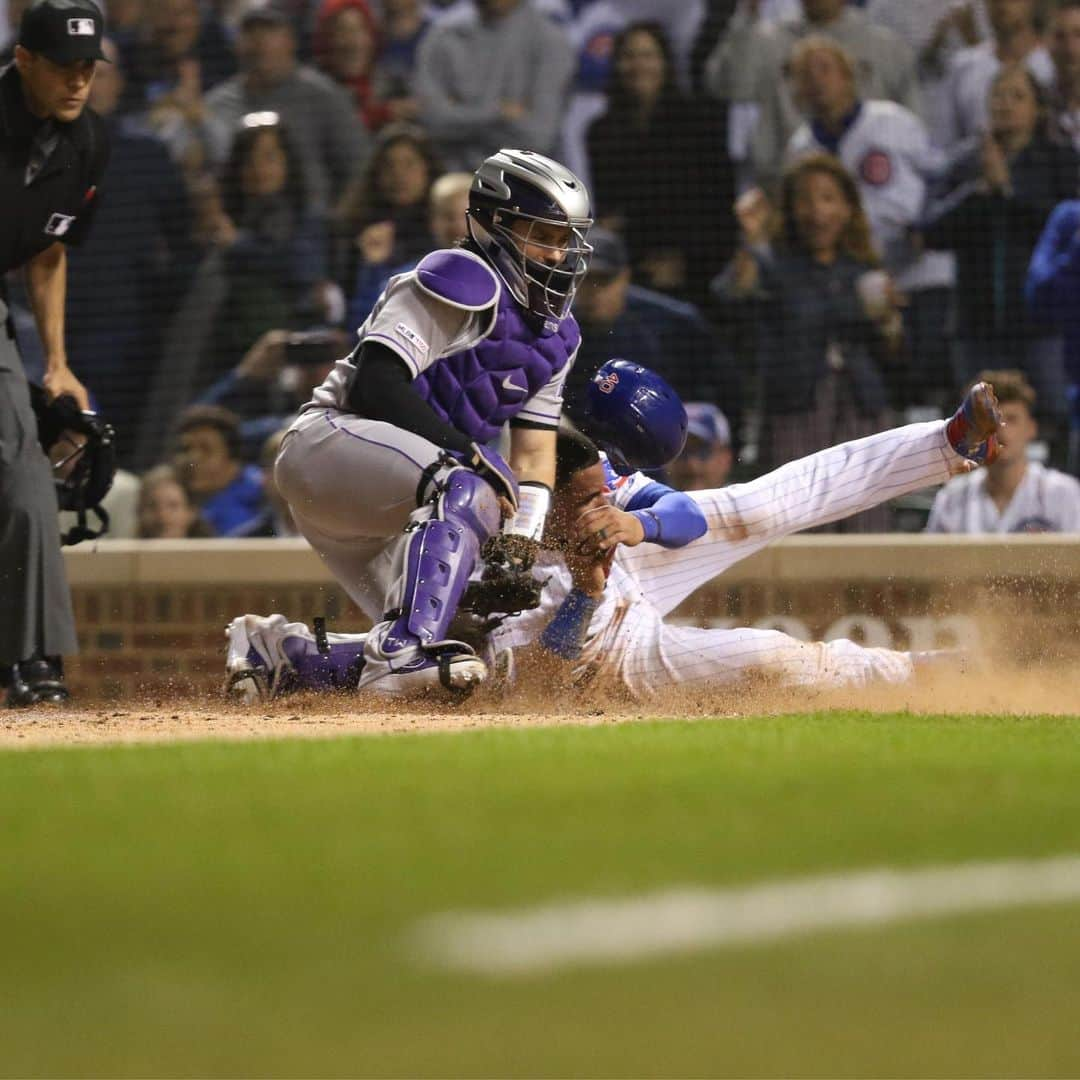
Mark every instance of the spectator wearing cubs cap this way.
pixel 53 152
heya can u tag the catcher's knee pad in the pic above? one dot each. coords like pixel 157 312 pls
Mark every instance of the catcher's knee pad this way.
pixel 442 552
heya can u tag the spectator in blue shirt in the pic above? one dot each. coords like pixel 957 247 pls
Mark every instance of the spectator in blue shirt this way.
pixel 1053 291
pixel 228 493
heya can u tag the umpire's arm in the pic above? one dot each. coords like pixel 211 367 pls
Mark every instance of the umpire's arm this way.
pixel 46 279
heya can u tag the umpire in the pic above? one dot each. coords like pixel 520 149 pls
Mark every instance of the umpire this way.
pixel 53 151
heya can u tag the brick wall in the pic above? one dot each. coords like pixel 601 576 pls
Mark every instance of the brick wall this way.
pixel 151 616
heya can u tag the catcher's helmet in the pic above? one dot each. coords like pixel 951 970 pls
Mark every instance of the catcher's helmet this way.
pixel 634 416
pixel 82 450
pixel 522 186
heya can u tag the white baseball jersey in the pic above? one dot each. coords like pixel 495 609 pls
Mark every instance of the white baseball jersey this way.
pixel 1045 501
pixel 888 151
pixel 629 647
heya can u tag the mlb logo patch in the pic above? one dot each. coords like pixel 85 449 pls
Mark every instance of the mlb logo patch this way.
pixel 81 27
pixel 59 224
pixel 410 335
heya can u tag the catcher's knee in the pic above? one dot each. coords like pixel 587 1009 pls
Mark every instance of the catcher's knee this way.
pixel 465 499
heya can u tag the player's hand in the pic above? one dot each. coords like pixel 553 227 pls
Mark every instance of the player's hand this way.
pixel 589 573
pixel 60 380
pixel 601 529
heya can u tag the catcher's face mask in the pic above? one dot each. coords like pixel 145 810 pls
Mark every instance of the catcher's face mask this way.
pixel 82 450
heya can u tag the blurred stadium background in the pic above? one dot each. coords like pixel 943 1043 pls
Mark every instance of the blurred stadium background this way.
pixel 274 163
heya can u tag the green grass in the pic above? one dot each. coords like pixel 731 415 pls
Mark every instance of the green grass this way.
pixel 239 908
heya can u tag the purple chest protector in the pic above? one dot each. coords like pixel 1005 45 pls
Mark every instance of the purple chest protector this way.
pixel 479 389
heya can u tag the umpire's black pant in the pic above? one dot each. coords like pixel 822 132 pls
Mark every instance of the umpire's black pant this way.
pixel 35 604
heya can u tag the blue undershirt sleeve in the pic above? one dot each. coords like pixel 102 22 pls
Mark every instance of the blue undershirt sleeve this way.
pixel 670 518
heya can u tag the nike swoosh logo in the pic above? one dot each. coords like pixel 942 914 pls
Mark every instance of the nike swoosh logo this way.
pixel 509 384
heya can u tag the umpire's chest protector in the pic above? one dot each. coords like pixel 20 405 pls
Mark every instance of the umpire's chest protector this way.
pixel 480 388
pixel 59 202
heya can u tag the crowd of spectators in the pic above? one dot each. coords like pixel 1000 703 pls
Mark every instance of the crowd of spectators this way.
pixel 814 217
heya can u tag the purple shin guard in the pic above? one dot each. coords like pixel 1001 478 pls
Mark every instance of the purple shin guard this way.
pixel 336 668
pixel 442 553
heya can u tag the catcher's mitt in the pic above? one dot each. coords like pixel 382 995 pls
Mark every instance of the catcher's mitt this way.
pixel 81 447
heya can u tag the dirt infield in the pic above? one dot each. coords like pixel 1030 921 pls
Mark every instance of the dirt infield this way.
pixel 1043 690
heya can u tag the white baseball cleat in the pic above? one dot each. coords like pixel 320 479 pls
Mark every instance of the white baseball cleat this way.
pixel 257 667
pixel 445 667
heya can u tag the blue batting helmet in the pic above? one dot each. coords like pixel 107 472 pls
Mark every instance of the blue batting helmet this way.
pixel 634 416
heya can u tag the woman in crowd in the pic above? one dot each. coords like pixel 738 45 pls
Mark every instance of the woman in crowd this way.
pixel 826 317
pixel 1003 192
pixel 165 510
pixel 659 169
pixel 384 218
pixel 273 247
pixel 346 45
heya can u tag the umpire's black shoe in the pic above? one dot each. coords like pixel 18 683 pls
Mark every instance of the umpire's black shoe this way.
pixel 38 681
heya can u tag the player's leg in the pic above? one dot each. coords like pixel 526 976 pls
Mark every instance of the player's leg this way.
pixel 354 483
pixel 812 491
pixel 695 658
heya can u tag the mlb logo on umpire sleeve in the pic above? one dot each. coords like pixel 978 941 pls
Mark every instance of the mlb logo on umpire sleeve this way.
pixel 59 224
pixel 81 27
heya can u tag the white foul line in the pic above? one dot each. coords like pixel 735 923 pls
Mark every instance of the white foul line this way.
pixel 620 931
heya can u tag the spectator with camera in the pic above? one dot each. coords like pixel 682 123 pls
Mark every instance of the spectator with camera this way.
pixel 1013 494
pixel 275 377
